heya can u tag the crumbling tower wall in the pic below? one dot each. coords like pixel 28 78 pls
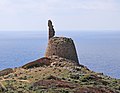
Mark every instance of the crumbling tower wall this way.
pixel 51 29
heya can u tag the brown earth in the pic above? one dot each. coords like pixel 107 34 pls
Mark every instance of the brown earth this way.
pixel 37 63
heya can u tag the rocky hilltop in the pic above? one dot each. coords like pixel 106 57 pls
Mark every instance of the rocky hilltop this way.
pixel 58 72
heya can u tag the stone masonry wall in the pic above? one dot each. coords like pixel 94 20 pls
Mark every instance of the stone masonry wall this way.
pixel 62 47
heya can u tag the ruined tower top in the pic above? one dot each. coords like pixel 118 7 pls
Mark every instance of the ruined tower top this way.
pixel 51 29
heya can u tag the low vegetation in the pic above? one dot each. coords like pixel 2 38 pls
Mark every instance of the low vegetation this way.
pixel 56 75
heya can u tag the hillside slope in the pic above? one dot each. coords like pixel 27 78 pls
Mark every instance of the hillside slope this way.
pixel 56 75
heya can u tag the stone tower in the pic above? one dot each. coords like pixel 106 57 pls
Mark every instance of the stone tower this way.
pixel 61 46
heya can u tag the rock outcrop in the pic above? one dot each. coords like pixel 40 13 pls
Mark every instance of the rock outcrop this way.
pixel 38 63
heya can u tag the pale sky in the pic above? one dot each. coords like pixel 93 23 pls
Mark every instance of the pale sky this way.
pixel 32 15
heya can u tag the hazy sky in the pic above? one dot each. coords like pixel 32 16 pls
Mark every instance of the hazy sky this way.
pixel 78 15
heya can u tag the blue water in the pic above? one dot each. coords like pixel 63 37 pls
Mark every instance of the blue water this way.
pixel 99 51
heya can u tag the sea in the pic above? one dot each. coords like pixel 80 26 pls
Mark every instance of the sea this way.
pixel 98 50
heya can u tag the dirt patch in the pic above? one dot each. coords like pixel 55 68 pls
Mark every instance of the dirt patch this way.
pixel 55 83
pixel 94 90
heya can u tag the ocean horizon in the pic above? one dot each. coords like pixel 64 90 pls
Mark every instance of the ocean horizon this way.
pixel 99 51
